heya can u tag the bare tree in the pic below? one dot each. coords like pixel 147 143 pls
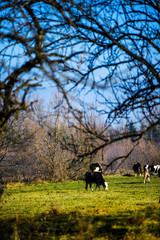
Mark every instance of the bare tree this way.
pixel 121 63
pixel 16 144
pixel 31 50
pixel 107 48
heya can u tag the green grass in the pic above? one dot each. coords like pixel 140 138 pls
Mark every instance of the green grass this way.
pixel 130 209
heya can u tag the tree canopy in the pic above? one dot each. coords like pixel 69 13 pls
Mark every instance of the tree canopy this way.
pixel 107 48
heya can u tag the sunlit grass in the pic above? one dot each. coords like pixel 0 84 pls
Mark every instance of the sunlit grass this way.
pixel 128 206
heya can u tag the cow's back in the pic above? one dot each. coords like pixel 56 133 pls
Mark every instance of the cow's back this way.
pixel 95 177
pixel 88 177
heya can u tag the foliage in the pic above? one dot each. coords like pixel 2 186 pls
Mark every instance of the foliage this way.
pixel 45 210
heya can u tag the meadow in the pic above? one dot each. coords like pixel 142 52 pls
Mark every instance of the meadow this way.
pixel 129 210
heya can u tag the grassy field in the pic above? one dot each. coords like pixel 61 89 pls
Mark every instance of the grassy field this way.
pixel 130 209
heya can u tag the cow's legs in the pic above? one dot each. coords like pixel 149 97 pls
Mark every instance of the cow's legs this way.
pixel 91 187
pixel 97 185
pixel 146 175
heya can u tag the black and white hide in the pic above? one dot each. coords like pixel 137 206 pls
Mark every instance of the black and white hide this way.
pixel 151 170
pixel 95 178
pixel 137 169
pixel 95 167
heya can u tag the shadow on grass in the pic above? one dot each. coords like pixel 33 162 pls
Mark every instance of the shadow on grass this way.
pixel 129 183
pixel 57 225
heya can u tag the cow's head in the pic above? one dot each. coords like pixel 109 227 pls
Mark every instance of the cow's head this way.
pixel 105 185
pixel 97 169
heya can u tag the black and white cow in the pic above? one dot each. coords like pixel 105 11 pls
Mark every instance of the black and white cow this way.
pixel 151 170
pixel 137 169
pixel 97 178
pixel 96 167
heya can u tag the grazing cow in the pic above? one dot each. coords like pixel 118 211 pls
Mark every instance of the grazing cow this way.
pixel 97 178
pixel 96 167
pixel 1 192
pixel 137 169
pixel 151 170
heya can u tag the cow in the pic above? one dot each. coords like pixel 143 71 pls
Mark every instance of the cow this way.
pixel 137 169
pixel 97 178
pixel 95 167
pixel 151 170
pixel 1 192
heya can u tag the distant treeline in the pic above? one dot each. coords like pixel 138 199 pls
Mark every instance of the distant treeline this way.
pixel 42 145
